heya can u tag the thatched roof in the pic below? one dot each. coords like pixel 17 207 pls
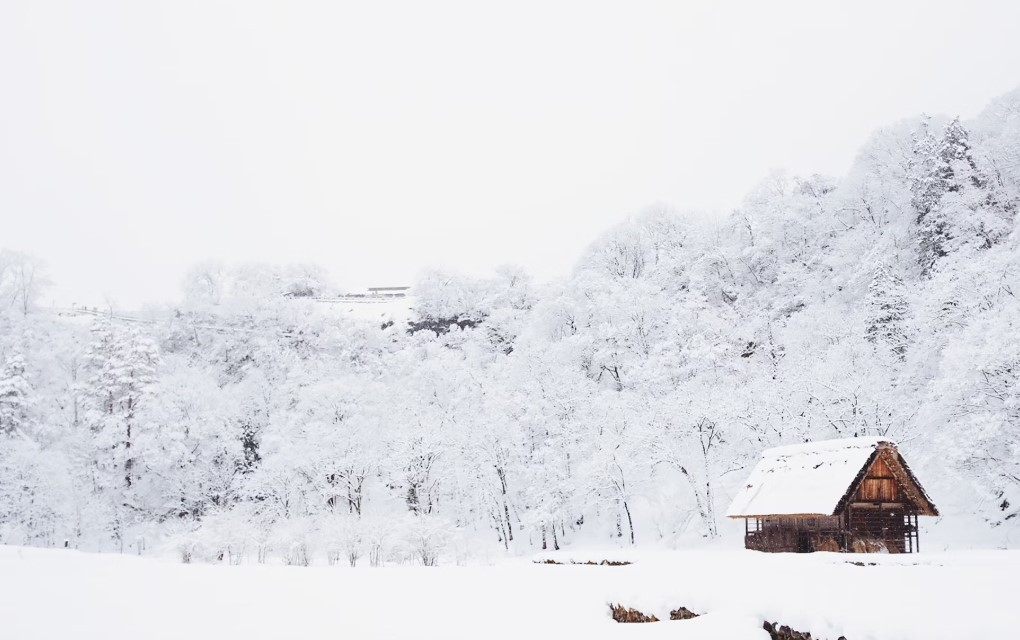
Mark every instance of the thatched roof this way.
pixel 818 478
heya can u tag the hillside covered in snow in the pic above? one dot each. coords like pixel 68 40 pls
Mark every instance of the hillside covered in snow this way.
pixel 626 403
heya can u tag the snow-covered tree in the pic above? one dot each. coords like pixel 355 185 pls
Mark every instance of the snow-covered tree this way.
pixel 15 395
pixel 888 310
pixel 23 278
pixel 122 366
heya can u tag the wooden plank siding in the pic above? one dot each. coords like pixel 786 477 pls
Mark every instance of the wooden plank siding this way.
pixel 879 485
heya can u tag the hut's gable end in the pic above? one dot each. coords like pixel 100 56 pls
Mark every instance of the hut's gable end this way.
pixel 887 479
pixel 879 484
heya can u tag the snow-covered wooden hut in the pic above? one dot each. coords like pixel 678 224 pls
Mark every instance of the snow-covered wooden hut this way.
pixel 855 495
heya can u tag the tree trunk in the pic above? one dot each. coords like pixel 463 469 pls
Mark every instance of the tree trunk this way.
pixel 509 526
pixel 630 521
pixel 128 462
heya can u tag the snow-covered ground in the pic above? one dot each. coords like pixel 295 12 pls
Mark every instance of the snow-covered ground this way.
pixel 56 594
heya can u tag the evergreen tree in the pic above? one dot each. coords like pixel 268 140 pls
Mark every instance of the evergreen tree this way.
pixel 926 185
pixel 944 166
pixel 977 211
pixel 14 395
pixel 123 368
pixel 956 166
pixel 887 311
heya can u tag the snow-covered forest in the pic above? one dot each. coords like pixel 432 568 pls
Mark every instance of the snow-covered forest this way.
pixel 625 403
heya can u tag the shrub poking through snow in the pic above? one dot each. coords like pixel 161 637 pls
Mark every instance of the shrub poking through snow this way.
pixel 427 536
pixel 682 613
pixel 626 614
pixel 297 555
pixel 777 631
pixel 296 539
pixel 604 563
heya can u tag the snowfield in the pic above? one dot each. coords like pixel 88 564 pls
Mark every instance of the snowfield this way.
pixel 57 594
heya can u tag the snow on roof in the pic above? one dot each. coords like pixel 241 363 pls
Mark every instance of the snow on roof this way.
pixel 803 479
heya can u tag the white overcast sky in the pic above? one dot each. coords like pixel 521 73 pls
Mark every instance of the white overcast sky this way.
pixel 376 138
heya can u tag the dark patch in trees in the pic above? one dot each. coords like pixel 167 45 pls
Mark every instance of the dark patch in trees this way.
pixel 440 326
pixel 250 447
pixel 301 291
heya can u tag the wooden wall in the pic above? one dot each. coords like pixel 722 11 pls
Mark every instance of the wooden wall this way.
pixel 879 485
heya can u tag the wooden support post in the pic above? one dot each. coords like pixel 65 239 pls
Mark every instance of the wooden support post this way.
pixel 912 530
pixel 917 529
